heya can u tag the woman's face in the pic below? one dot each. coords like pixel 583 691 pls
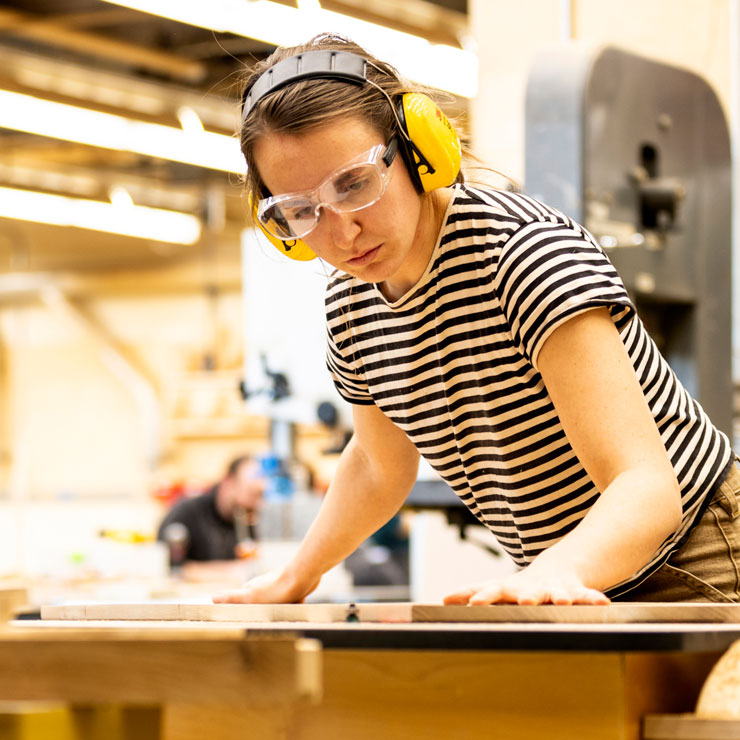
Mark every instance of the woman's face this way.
pixel 389 242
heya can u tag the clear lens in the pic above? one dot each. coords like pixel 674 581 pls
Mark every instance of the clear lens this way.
pixel 353 187
pixel 289 219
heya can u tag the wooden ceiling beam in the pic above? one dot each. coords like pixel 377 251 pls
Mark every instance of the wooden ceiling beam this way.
pixel 108 16
pixel 50 32
pixel 111 92
pixel 418 17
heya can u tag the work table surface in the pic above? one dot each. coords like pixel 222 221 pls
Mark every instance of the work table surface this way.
pixel 616 627
pixel 234 679
pixel 660 637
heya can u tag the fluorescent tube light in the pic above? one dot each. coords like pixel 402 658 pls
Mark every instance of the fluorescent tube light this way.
pixel 190 121
pixel 438 65
pixel 84 126
pixel 121 217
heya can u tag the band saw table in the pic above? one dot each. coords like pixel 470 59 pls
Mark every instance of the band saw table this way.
pixel 368 670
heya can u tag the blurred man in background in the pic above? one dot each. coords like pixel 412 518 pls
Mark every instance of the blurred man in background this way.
pixel 219 524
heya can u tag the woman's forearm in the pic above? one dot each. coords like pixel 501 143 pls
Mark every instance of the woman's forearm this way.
pixel 362 497
pixel 621 532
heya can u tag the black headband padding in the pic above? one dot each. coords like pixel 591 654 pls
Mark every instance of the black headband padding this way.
pixel 327 64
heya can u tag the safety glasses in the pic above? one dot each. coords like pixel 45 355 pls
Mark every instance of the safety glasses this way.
pixel 356 185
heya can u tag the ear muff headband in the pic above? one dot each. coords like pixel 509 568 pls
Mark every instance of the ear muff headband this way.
pixel 429 144
pixel 326 64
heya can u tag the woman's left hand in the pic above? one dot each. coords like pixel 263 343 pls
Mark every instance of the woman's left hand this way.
pixel 529 587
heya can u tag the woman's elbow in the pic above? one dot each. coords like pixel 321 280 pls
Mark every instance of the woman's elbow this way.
pixel 672 507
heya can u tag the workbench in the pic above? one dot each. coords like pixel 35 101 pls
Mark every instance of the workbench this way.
pixel 358 678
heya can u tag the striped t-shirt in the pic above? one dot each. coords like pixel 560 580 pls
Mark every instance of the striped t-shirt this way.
pixel 453 363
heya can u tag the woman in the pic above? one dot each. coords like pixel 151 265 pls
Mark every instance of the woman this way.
pixel 490 334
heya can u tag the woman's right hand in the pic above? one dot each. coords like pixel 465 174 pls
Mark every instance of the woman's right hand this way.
pixel 274 587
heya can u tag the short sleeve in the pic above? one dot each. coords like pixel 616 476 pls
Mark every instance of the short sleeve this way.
pixel 549 272
pixel 346 373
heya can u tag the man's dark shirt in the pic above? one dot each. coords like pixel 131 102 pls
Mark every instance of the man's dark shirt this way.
pixel 211 536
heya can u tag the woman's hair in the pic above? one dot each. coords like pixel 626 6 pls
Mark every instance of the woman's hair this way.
pixel 313 102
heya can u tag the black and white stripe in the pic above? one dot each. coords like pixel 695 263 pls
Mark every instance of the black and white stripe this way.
pixel 454 364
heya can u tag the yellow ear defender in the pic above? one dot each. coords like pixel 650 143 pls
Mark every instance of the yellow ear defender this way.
pixel 296 249
pixel 435 146
pixel 429 144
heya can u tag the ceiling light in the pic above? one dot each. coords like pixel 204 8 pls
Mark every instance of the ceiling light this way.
pixel 120 217
pixel 120 197
pixel 437 65
pixel 190 121
pixel 61 121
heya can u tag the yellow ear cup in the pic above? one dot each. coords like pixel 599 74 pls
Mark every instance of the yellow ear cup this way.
pixel 429 129
pixel 296 249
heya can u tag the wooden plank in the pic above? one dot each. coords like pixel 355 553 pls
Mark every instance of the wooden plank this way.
pixel 319 613
pixel 140 667
pixel 688 727
pixel 11 599
pixel 623 613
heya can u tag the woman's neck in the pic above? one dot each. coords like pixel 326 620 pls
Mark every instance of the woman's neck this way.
pixel 431 219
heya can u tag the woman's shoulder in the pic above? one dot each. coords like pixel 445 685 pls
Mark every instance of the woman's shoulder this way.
pixel 513 207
